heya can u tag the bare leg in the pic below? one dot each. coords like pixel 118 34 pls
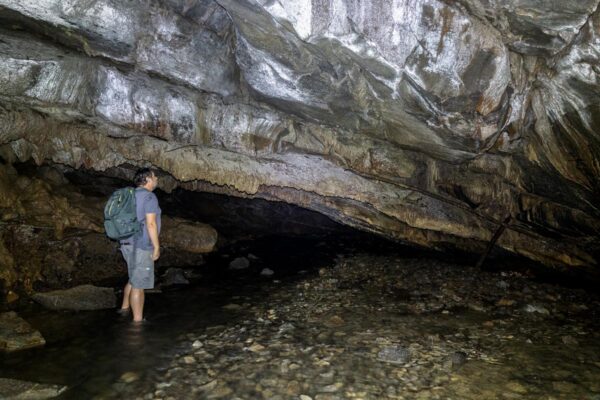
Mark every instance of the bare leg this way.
pixel 137 304
pixel 126 294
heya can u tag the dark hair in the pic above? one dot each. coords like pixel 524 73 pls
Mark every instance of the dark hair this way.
pixel 142 175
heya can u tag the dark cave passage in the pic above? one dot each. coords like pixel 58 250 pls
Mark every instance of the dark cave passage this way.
pixel 239 223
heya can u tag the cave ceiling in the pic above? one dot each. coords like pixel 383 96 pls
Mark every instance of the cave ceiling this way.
pixel 429 122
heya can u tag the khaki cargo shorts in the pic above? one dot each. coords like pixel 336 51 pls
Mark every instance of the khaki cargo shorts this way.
pixel 140 266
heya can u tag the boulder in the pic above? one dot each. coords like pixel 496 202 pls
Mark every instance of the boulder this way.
pixel 22 390
pixel 192 237
pixel 84 297
pixel 239 263
pixel 174 276
pixel 17 334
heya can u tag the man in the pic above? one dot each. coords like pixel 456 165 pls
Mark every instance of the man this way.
pixel 143 249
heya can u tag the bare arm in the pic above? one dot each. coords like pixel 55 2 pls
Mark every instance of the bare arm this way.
pixel 153 234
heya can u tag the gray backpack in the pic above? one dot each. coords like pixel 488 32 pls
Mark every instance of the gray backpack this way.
pixel 120 217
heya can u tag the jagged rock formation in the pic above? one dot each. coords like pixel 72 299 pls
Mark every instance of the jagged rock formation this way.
pixel 426 121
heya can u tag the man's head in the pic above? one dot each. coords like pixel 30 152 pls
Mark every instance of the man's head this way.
pixel 145 177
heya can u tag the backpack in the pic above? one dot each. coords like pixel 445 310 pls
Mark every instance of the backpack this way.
pixel 120 217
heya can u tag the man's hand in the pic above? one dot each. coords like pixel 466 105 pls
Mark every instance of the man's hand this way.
pixel 153 234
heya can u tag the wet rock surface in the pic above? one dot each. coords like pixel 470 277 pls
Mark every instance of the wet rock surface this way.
pixel 388 327
pixel 174 276
pixel 425 121
pixel 51 234
pixel 12 389
pixel 188 236
pixel 17 334
pixel 239 263
pixel 84 297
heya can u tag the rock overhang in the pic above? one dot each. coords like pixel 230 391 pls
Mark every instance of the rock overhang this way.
pixel 433 141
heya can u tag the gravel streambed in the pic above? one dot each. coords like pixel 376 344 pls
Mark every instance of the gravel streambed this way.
pixel 389 328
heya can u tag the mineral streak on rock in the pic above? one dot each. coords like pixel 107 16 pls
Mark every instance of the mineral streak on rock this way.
pixel 425 121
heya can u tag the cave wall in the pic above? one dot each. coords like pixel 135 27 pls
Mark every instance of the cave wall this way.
pixel 425 121
pixel 52 235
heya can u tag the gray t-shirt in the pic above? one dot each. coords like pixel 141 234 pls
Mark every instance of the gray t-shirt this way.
pixel 146 203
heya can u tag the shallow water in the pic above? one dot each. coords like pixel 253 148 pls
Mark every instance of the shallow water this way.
pixel 90 351
pixel 321 326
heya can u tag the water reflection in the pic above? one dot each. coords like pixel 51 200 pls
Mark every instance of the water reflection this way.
pixel 132 338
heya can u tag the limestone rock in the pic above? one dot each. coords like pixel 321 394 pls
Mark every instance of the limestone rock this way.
pixel 84 297
pixel 239 263
pixel 11 297
pixel 174 276
pixel 458 358
pixel 193 237
pixel 14 389
pixel 38 208
pixel 425 121
pixel 17 334
pixel 536 308
pixel 527 27
pixel 394 354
